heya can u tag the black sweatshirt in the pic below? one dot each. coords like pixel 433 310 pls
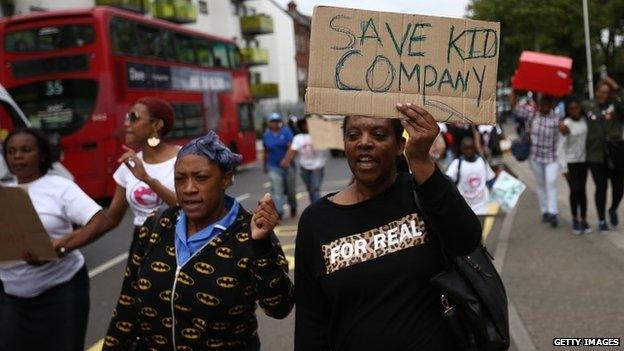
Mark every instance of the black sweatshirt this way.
pixel 363 270
pixel 214 295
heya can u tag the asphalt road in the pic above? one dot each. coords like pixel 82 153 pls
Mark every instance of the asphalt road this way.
pixel 106 258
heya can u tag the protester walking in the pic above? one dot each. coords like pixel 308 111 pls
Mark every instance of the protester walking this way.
pixel 198 270
pixel 473 177
pixel 605 115
pixel 311 161
pixel 145 178
pixel 277 140
pixel 366 254
pixel 543 126
pixel 44 305
pixel 572 161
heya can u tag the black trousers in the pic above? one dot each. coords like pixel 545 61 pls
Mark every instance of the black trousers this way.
pixel 602 175
pixel 54 320
pixel 577 179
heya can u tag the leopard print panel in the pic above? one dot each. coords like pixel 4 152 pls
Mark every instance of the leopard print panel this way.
pixel 397 235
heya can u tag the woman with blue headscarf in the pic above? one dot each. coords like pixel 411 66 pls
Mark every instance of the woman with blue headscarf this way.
pixel 199 268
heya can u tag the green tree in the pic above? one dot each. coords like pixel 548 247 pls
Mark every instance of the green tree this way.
pixel 556 27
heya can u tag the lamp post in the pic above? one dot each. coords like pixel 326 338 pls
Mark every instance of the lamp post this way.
pixel 590 74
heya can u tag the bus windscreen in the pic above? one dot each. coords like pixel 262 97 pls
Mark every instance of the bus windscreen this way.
pixel 60 105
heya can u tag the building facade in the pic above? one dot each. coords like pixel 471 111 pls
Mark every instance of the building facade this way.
pixel 302 25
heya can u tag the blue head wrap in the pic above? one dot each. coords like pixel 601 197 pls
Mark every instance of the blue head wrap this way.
pixel 213 149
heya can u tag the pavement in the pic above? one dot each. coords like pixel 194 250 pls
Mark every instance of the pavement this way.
pixel 560 285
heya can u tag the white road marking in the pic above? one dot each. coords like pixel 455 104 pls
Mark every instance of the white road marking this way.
pixel 266 185
pixel 108 264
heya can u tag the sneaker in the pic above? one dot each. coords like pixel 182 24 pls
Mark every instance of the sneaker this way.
pixel 613 217
pixel 603 227
pixel 586 228
pixel 545 217
pixel 554 223
pixel 576 228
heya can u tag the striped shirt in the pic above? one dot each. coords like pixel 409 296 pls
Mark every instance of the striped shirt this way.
pixel 544 137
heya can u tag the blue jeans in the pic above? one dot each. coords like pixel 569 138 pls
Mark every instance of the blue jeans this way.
pixel 312 180
pixel 54 320
pixel 283 182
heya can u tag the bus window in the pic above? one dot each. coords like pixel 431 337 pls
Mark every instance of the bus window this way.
pixel 245 117
pixel 49 38
pixel 188 121
pixel 220 52
pixel 123 36
pixel 184 48
pixel 165 45
pixel 234 55
pixel 204 53
pixel 61 106
pixel 147 37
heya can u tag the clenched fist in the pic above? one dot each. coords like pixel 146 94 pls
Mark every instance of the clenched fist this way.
pixel 264 219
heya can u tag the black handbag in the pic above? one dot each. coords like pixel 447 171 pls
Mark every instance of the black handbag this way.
pixel 521 149
pixel 474 300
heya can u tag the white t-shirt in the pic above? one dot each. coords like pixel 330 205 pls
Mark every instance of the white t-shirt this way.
pixel 309 157
pixel 59 202
pixel 141 198
pixel 571 147
pixel 472 183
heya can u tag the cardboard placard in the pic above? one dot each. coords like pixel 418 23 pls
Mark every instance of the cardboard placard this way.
pixel 22 229
pixel 364 62
pixel 507 190
pixel 325 134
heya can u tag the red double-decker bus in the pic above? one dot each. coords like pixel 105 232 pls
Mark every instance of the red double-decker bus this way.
pixel 77 72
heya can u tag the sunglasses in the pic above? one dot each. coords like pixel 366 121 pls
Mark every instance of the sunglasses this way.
pixel 133 117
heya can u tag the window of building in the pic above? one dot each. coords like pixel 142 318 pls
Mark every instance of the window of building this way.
pixel 235 6
pixel 203 7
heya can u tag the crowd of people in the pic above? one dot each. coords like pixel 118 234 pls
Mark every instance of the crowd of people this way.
pixel 199 263
pixel 586 137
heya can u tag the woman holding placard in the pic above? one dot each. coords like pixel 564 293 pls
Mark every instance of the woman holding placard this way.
pixel 45 305
pixel 365 255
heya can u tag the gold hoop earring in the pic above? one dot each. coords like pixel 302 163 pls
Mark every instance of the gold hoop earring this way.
pixel 154 140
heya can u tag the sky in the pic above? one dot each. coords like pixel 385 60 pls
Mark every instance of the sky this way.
pixel 447 8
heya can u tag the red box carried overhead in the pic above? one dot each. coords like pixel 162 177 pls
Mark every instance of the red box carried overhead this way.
pixel 543 73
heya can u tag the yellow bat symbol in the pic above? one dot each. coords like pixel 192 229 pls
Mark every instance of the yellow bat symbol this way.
pixel 227 282
pixel 125 327
pixel 203 268
pixel 207 299
pixel 190 333
pixel 160 267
